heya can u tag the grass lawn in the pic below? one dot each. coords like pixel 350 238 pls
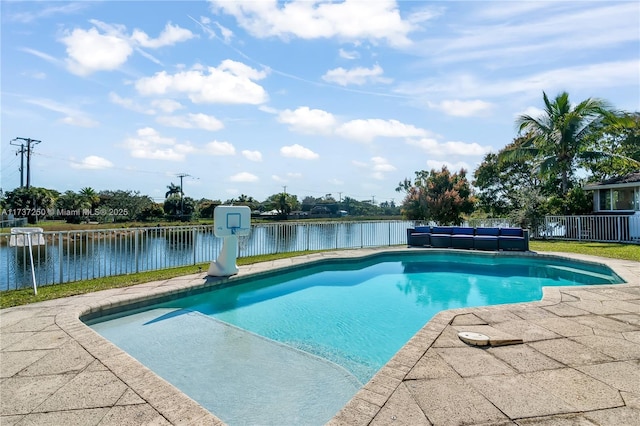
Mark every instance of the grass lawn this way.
pixel 26 296
pixel 49 292
pixel 613 250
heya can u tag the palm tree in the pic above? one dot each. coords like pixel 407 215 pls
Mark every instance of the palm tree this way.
pixel 558 137
pixel 173 189
pixel 90 196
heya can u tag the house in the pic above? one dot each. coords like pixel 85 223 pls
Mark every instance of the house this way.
pixel 619 195
pixel 617 198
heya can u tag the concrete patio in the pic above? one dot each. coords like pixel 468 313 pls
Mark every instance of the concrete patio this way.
pixel 578 363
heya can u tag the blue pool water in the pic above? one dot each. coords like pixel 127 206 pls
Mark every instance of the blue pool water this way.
pixel 294 346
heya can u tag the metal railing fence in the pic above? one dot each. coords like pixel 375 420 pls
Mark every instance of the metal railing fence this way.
pixel 8 223
pixel 67 256
pixel 602 228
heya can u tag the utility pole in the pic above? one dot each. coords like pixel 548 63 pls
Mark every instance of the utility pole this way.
pixel 182 176
pixel 22 151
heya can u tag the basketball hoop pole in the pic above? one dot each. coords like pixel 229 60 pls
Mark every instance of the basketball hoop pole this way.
pixel 230 222
pixel 225 264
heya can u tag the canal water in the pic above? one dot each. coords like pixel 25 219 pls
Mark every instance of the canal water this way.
pixel 79 255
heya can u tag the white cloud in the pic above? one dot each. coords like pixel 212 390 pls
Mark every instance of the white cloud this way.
pixel 358 76
pixel 192 121
pixel 242 70
pixel 149 56
pixel 219 148
pixel 171 35
pixel 227 34
pixel 230 83
pixel 149 144
pixel 453 167
pixel 379 167
pixel 92 162
pixel 427 13
pixel 348 54
pixel 288 177
pixel 348 20
pixel 47 11
pixel 600 75
pixel 495 32
pixel 166 105
pixel 268 109
pixel 433 147
pixel 106 47
pixel 80 121
pixel 38 75
pixel 531 112
pixel 89 51
pixel 73 117
pixel 587 78
pixel 129 104
pixel 41 55
pixel 298 151
pixel 459 108
pixel 306 120
pixel 252 155
pixel 244 177
pixel 367 130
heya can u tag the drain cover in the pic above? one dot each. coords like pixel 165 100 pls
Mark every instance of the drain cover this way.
pixel 472 338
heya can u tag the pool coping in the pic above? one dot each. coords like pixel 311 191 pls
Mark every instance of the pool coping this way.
pixel 170 404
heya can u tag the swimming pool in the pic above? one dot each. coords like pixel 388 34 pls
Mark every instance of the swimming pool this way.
pixel 293 346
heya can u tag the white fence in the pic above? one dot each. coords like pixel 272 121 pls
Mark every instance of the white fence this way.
pixel 605 228
pixel 8 223
pixel 67 256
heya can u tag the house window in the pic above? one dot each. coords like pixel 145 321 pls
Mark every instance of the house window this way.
pixel 619 199
pixel 622 199
pixel 605 199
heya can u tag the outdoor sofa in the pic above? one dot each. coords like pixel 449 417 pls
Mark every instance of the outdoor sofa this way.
pixel 461 237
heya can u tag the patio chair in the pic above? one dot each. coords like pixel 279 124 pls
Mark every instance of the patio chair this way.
pixel 486 238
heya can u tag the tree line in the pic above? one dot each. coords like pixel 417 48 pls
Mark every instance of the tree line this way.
pixel 38 203
pixel 542 171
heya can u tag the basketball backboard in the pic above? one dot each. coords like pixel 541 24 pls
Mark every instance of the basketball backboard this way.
pixel 232 220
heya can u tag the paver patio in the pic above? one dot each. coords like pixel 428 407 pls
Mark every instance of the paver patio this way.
pixel 578 363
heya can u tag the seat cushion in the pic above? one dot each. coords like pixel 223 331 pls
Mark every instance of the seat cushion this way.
pixel 485 242
pixel 511 232
pixel 440 240
pixel 511 243
pixel 488 231
pixel 463 230
pixel 441 230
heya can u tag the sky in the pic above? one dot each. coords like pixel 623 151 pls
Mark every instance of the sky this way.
pixel 258 97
